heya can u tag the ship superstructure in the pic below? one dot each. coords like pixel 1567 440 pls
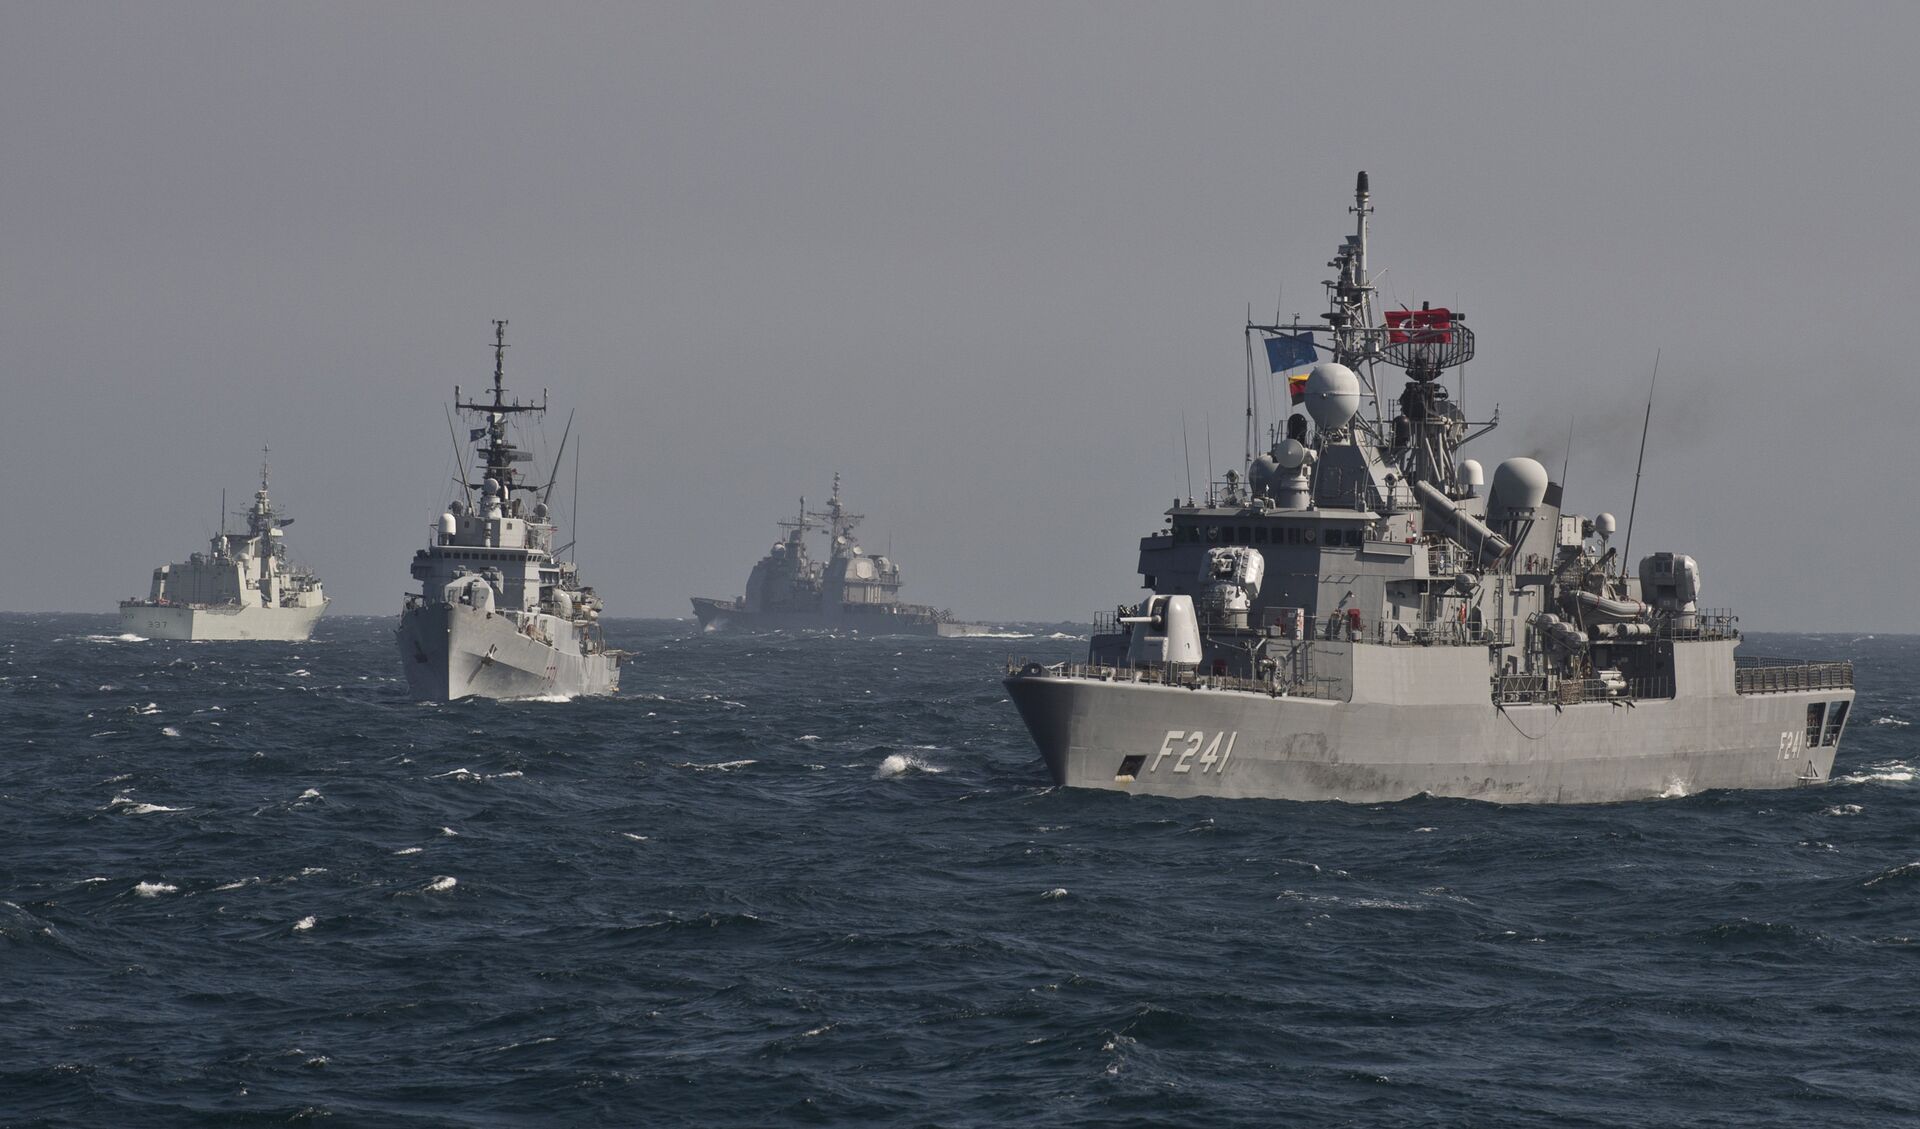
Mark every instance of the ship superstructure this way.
pixel 499 613
pixel 1362 615
pixel 242 587
pixel 849 591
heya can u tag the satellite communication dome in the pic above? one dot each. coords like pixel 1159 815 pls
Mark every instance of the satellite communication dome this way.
pixel 1471 476
pixel 1604 524
pixel 1290 453
pixel 1333 395
pixel 1519 486
pixel 540 511
pixel 490 486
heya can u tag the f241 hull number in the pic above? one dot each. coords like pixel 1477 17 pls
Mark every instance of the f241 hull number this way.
pixel 1195 750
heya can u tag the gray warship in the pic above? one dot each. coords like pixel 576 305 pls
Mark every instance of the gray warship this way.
pixel 499 614
pixel 242 587
pixel 1359 615
pixel 850 591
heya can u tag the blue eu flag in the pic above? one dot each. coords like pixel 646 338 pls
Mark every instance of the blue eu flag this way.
pixel 1285 352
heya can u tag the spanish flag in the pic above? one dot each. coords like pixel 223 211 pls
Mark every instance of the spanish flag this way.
pixel 1296 387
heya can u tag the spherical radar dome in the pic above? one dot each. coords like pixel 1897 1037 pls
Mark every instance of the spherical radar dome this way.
pixel 1333 395
pixel 1290 454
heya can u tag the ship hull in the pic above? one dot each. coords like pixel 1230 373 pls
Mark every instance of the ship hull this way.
pixel 453 651
pixel 720 615
pixel 1174 741
pixel 180 621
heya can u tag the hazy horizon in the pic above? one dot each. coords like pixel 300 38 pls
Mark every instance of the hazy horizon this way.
pixel 979 260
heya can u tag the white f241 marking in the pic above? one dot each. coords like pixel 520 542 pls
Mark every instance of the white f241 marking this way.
pixel 1211 757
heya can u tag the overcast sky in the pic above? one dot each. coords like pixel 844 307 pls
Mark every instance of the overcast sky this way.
pixel 978 258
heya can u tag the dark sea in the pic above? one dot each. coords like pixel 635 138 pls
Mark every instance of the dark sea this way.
pixel 805 880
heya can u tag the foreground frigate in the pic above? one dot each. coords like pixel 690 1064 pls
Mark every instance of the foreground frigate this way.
pixel 499 614
pixel 1356 618
pixel 243 587
pixel 849 591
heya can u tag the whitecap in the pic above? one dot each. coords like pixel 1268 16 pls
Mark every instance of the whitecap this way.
pixel 122 638
pixel 1893 772
pixel 302 673
pixel 1676 789
pixel 310 871
pixel 442 882
pixel 409 850
pixel 304 924
pixel 899 764
pixel 1055 893
pixel 1843 809
pixel 1891 720
pixel 722 766
pixel 310 794
pixel 135 807
pixel 449 832
pixel 631 835
pixel 1424 830
pixel 169 731
pixel 150 707
pixel 155 889
pixel 547 698
pixel 235 885
pixel 808 737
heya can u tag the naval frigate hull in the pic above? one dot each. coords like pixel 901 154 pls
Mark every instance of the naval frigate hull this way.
pixel 720 615
pixel 228 623
pixel 453 651
pixel 1158 739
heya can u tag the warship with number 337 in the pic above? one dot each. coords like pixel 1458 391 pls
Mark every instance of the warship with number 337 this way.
pixel 1361 616
pixel 499 614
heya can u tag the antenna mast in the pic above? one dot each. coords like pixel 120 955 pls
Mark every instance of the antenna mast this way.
pixel 1644 425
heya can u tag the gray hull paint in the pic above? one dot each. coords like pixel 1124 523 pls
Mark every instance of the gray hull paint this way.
pixel 452 651
pixel 1252 745
pixel 717 615
pixel 177 621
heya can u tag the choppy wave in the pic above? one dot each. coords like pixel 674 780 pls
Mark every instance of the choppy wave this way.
pixel 823 880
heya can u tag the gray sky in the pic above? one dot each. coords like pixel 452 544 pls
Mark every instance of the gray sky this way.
pixel 978 258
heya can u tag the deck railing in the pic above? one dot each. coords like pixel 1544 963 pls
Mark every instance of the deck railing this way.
pixel 1779 676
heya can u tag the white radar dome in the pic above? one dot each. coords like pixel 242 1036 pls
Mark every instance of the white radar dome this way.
pixel 1604 525
pixel 1519 486
pixel 1471 476
pixel 1333 395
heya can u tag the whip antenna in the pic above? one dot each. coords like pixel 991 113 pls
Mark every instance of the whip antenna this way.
pixel 1644 424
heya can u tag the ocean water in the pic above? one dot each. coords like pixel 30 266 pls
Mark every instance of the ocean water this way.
pixel 824 881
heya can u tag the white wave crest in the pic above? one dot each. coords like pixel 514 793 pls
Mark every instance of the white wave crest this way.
pixel 1676 789
pixel 1893 772
pixel 310 794
pixel 547 698
pixel 169 731
pixel 442 882
pixel 150 707
pixel 449 833
pixel 304 924
pixel 899 764
pixel 1054 894
pixel 1843 809
pixel 631 835
pixel 409 850
pixel 1889 719
pixel 122 638
pixel 135 807
pixel 155 889
pixel 722 766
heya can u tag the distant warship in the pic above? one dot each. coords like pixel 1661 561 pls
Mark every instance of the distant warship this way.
pixel 499 615
pixel 241 588
pixel 1355 618
pixel 850 591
